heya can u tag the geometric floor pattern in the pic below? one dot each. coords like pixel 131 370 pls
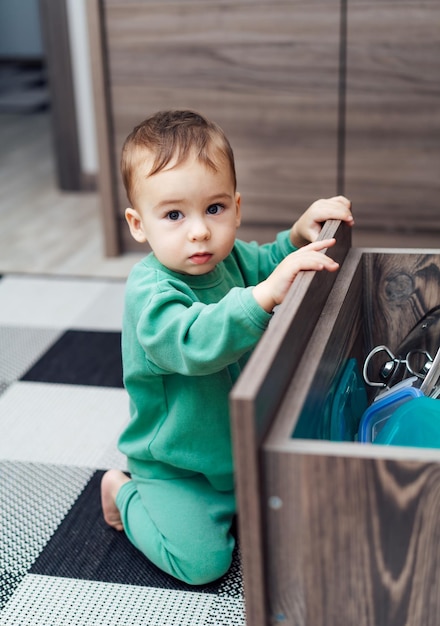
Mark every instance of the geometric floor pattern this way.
pixel 62 407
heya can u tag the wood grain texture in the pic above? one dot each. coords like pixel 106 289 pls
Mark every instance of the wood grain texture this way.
pixel 393 115
pixel 266 72
pixel 399 290
pixel 254 401
pixel 352 540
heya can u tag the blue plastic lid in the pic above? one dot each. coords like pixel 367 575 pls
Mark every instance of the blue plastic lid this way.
pixel 415 423
pixel 376 416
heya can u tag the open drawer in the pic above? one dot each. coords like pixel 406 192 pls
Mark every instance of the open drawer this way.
pixel 335 533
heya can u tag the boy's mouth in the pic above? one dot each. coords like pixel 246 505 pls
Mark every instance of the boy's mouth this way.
pixel 201 257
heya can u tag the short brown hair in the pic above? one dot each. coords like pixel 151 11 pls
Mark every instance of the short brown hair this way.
pixel 169 134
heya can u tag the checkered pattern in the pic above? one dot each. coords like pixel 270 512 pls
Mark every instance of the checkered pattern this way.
pixel 62 407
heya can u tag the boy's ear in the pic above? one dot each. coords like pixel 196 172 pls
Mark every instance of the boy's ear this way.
pixel 238 208
pixel 135 225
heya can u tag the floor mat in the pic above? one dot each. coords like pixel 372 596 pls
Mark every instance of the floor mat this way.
pixel 62 407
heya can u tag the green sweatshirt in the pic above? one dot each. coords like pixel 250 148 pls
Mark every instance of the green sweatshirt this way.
pixel 185 341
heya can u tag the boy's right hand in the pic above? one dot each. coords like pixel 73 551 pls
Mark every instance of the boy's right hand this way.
pixel 273 290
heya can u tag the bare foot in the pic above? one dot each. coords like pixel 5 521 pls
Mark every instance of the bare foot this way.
pixel 111 482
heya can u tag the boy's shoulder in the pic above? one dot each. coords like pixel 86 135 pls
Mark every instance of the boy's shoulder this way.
pixel 147 280
pixel 147 271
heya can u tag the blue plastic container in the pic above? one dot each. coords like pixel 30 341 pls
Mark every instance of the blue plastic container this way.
pixel 349 404
pixel 377 415
pixel 416 423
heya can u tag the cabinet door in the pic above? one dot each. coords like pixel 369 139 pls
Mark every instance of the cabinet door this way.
pixel 267 72
pixel 393 114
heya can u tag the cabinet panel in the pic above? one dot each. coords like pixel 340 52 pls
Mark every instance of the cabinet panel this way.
pixel 353 540
pixel 267 73
pixel 393 115
pixel 347 532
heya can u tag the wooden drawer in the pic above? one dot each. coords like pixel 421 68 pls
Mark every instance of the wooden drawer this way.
pixel 335 533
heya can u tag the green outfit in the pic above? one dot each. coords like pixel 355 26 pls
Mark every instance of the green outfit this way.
pixel 185 341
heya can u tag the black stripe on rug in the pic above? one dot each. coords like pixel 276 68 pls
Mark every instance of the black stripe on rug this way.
pixel 84 547
pixel 81 357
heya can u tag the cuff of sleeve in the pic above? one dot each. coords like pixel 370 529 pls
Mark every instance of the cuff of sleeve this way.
pixel 254 311
pixel 284 243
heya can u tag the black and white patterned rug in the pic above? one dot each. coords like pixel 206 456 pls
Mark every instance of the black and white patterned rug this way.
pixel 62 406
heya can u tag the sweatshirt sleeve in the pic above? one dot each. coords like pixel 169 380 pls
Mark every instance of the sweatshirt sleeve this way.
pixel 181 336
pixel 257 262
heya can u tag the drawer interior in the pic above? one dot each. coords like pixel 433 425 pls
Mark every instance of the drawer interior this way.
pixel 342 520
pixel 377 299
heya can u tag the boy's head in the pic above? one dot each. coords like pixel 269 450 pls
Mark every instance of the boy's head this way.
pixel 178 171
pixel 172 136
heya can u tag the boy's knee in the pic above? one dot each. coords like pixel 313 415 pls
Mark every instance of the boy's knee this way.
pixel 206 568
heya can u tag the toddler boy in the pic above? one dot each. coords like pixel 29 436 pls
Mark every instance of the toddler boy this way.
pixel 195 308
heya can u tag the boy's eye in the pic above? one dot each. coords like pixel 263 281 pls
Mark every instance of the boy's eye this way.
pixel 174 215
pixel 215 209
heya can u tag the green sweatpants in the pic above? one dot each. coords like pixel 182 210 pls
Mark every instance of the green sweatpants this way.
pixel 181 524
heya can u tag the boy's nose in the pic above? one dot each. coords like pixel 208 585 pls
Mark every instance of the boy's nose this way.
pixel 199 231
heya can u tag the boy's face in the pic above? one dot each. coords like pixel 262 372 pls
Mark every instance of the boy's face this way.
pixel 188 214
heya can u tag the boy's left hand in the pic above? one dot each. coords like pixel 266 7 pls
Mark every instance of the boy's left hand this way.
pixel 307 228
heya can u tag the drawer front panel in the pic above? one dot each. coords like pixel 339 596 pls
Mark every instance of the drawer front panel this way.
pixel 351 540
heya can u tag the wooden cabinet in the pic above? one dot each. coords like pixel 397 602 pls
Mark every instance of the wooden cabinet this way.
pixel 317 98
pixel 267 72
pixel 392 158
pixel 335 533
